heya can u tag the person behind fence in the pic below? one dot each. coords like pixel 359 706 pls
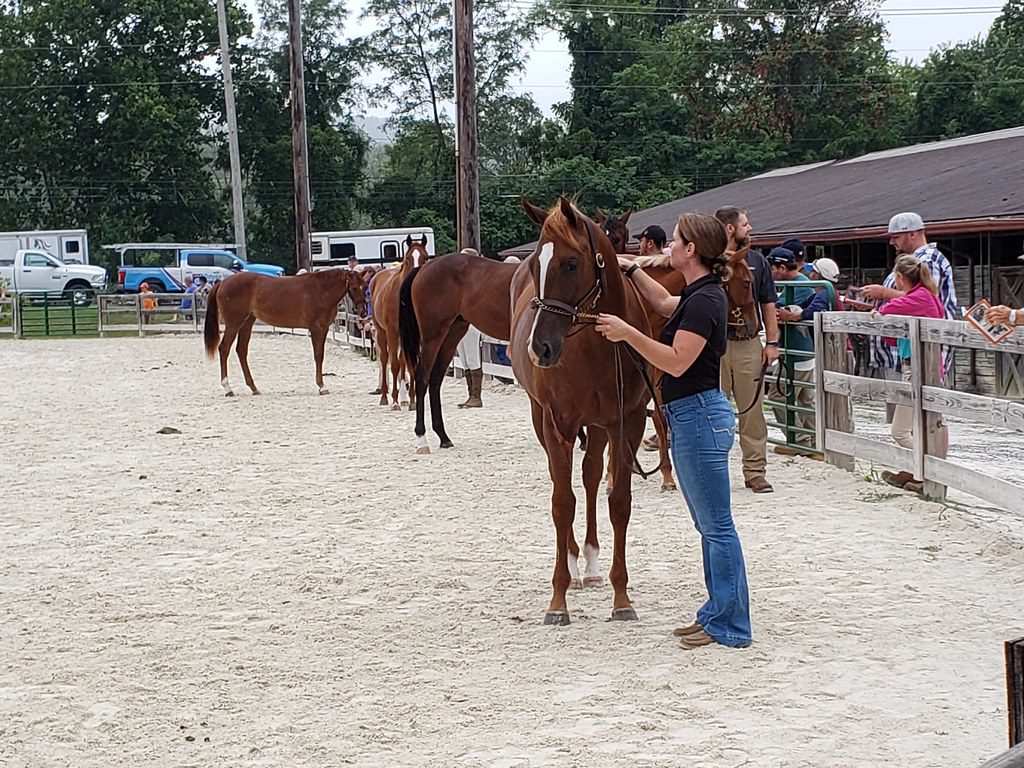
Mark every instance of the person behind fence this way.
pixel 652 241
pixel 798 249
pixel 783 263
pixel 469 353
pixel 802 338
pixel 745 359
pixel 148 302
pixel 918 298
pixel 186 300
pixel 702 425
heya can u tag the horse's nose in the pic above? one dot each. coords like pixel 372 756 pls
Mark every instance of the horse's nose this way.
pixel 547 353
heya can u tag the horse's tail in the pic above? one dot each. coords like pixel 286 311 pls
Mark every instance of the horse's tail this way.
pixel 211 331
pixel 408 325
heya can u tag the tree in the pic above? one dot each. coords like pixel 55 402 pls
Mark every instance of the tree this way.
pixel 107 116
pixel 336 149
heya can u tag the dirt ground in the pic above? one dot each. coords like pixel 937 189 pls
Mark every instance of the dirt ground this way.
pixel 285 583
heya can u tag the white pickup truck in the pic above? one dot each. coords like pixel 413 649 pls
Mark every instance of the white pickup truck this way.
pixel 39 273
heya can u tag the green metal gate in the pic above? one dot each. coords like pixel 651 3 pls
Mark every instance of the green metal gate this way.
pixel 57 315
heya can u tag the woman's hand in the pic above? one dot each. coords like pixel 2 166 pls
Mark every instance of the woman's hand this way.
pixel 625 262
pixel 613 328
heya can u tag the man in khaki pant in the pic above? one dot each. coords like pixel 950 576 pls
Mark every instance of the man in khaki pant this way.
pixel 745 357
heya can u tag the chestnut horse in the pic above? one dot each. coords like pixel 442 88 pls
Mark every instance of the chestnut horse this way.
pixel 384 296
pixel 575 377
pixel 441 299
pixel 304 301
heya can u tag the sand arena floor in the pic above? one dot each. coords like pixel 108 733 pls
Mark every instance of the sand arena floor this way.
pixel 285 583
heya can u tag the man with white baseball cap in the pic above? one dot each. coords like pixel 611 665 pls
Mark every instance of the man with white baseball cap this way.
pixel 906 235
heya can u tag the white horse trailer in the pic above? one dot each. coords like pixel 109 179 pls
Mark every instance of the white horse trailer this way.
pixel 69 245
pixel 369 246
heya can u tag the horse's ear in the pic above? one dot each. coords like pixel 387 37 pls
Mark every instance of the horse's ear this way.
pixel 408 241
pixel 625 217
pixel 537 215
pixel 601 218
pixel 568 211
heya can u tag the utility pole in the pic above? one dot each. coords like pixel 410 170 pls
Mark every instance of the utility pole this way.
pixel 229 111
pixel 467 180
pixel 300 150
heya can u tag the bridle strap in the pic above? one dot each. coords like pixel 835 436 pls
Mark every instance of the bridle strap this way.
pixel 583 312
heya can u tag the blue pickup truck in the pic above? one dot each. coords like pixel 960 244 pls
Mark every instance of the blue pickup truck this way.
pixel 171 267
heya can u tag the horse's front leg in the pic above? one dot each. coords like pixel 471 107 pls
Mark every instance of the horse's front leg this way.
pixel 230 334
pixel 397 381
pixel 620 505
pixel 593 467
pixel 563 510
pixel 319 337
pixel 242 350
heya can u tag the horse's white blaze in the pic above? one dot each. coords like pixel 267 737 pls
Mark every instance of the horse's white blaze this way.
pixel 574 568
pixel 547 252
pixel 590 552
pixel 226 384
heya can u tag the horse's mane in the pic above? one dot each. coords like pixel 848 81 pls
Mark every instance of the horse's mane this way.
pixel 660 260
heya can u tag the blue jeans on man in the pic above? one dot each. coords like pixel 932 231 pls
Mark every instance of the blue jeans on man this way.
pixel 702 429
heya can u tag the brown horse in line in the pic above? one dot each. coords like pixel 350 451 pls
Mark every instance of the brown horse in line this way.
pixel 575 377
pixel 384 291
pixel 303 301
pixel 440 300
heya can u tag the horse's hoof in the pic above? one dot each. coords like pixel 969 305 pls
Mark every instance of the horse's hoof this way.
pixel 668 487
pixel 229 394
pixel 395 407
pixel 556 619
pixel 447 444
pixel 624 614
pixel 383 401
pixel 593 581
pixel 423 450
pixel 325 391
pixel 256 392
pixel 575 584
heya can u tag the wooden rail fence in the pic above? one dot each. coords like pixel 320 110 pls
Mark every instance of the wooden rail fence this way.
pixel 924 394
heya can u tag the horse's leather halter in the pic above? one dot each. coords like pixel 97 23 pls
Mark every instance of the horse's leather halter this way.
pixel 583 313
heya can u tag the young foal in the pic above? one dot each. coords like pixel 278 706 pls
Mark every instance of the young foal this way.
pixel 384 296
pixel 304 301
pixel 574 377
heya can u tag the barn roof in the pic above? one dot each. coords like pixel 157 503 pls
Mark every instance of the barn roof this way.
pixel 965 185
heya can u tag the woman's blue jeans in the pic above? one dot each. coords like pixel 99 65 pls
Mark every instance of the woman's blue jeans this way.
pixel 703 427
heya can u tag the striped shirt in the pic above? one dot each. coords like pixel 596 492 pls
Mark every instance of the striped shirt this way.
pixel 942 274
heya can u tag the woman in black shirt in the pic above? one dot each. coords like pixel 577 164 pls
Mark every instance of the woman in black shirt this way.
pixel 701 422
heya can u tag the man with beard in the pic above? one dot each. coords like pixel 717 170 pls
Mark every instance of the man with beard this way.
pixel 745 358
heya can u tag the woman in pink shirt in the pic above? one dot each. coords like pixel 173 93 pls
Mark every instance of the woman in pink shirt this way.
pixel 919 299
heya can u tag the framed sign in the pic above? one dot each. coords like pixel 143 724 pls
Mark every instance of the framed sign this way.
pixel 994 332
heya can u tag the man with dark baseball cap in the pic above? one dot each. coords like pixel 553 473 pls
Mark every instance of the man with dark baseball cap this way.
pixel 652 240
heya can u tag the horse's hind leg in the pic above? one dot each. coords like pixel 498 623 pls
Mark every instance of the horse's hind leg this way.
pixel 593 465
pixel 441 362
pixel 242 350
pixel 667 483
pixel 230 333
pixel 319 337
pixel 382 358
pixel 396 375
